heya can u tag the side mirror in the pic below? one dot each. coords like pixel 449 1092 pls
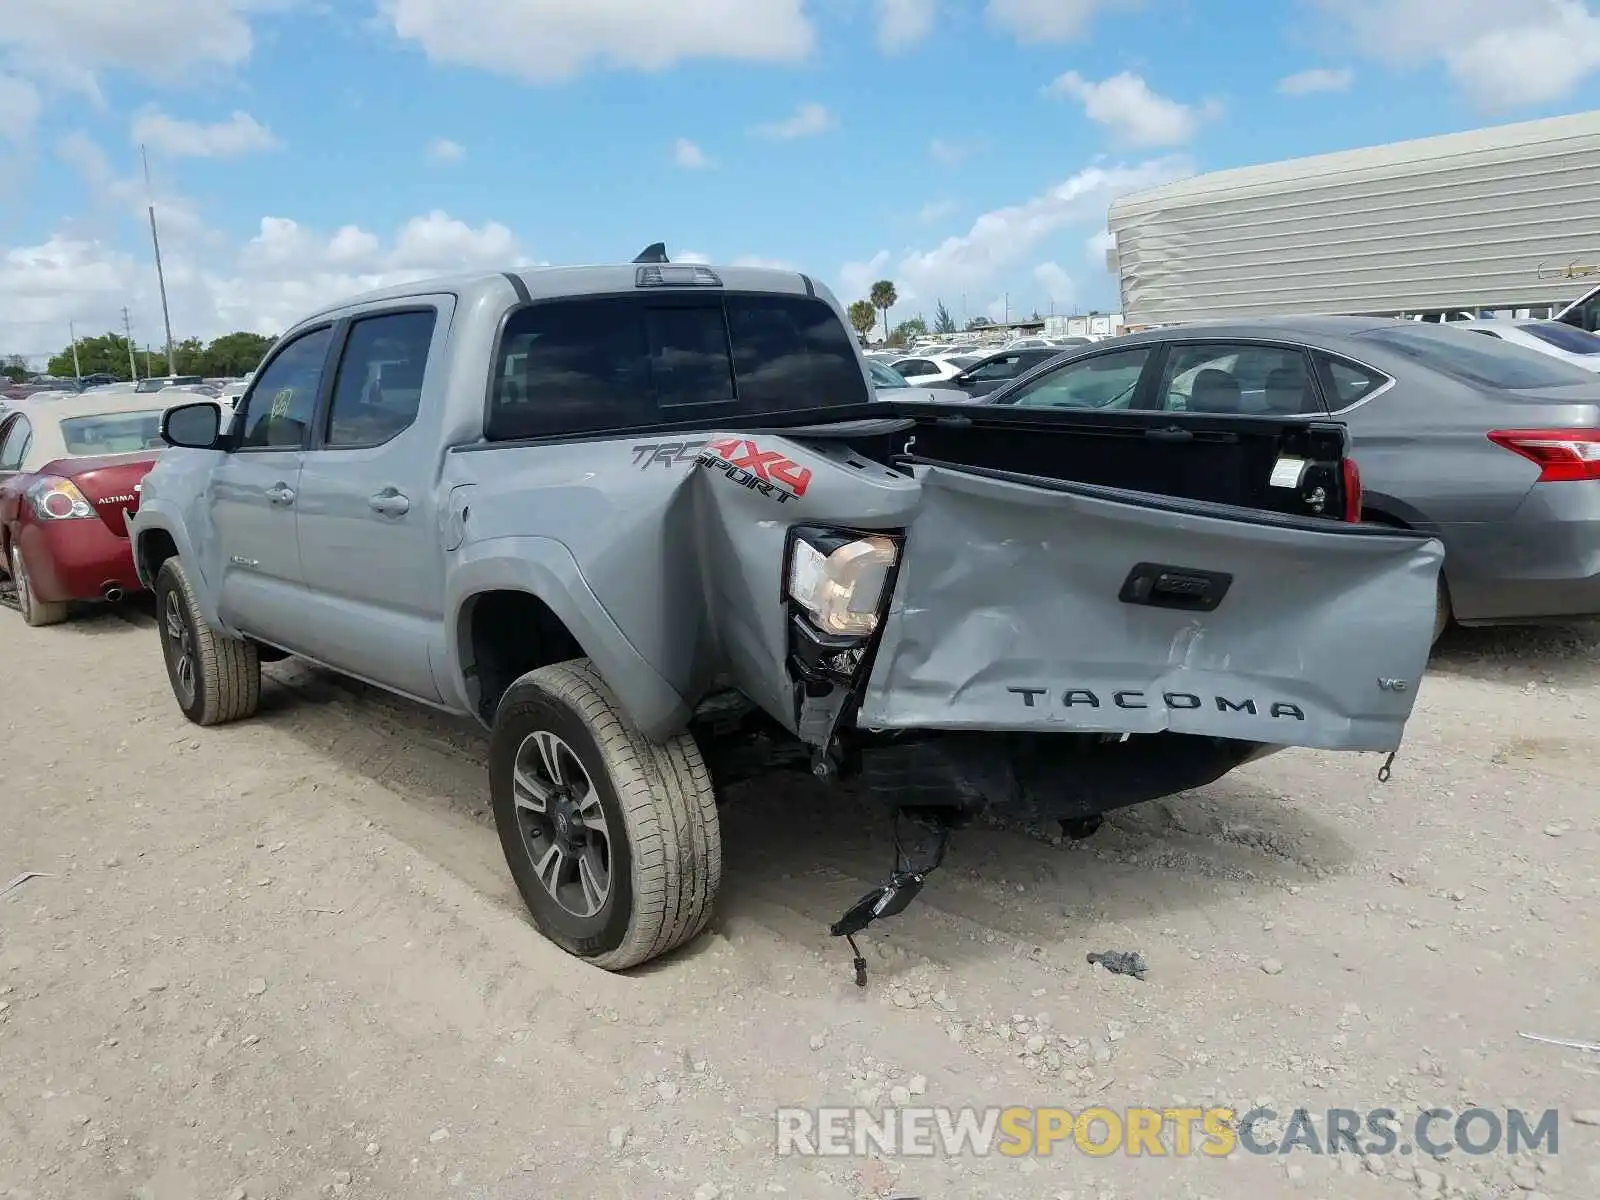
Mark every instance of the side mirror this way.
pixel 192 426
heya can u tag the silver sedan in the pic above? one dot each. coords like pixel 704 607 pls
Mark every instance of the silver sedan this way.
pixel 1493 448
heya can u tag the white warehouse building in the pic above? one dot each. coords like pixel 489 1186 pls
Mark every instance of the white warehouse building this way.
pixel 1502 218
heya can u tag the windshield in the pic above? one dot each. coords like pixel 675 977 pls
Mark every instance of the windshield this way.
pixel 1565 337
pixel 1487 362
pixel 885 377
pixel 113 433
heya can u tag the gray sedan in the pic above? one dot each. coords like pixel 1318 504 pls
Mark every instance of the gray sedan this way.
pixel 1492 448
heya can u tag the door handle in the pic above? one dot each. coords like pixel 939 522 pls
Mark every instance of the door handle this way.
pixel 390 502
pixel 280 493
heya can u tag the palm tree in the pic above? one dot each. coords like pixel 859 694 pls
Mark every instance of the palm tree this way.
pixel 863 316
pixel 883 298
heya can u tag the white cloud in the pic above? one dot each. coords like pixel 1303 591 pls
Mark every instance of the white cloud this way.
pixel 239 134
pixel 443 150
pixel 71 40
pixel 20 106
pixel 935 211
pixel 549 41
pixel 904 23
pixel 808 121
pixel 756 260
pixel 689 156
pixel 1048 20
pixel 281 274
pixel 1125 105
pixel 689 256
pixel 1056 284
pixel 1097 247
pixel 1001 242
pixel 1317 79
pixel 1502 56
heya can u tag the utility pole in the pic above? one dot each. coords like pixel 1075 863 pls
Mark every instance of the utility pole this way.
pixel 155 241
pixel 148 372
pixel 72 332
pixel 127 329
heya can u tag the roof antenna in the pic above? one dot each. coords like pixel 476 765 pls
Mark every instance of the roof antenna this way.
pixel 655 252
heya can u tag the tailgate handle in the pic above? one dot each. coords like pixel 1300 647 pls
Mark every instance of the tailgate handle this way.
pixel 1172 434
pixel 1160 585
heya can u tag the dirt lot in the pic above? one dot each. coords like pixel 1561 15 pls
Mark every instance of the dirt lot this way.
pixel 284 959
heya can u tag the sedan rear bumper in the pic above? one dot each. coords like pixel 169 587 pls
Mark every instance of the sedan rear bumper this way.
pixel 76 560
pixel 1541 564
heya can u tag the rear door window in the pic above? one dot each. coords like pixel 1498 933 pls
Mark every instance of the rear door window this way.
pixel 1237 379
pixel 1348 382
pixel 572 367
pixel 1487 362
pixel 378 389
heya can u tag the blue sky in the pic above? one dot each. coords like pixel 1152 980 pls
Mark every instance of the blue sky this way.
pixel 966 149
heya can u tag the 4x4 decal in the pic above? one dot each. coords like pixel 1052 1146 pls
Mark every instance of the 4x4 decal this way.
pixel 764 471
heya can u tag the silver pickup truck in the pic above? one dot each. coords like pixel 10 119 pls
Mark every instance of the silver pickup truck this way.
pixel 639 519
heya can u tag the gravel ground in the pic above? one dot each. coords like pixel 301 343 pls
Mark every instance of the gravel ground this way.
pixel 284 959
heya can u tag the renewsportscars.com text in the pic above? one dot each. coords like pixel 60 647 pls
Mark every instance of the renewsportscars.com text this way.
pixel 1161 1132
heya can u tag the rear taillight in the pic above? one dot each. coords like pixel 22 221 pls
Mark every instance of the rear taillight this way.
pixel 1352 492
pixel 1563 455
pixel 55 499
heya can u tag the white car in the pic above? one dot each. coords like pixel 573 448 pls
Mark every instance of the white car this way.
pixel 921 370
pixel 1575 346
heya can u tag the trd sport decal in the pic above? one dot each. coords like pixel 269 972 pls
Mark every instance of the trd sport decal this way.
pixel 764 471
pixel 667 454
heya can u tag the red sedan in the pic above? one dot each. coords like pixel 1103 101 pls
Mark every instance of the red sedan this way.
pixel 70 469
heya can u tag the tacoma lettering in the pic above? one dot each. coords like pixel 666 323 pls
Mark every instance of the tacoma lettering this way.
pixel 1038 697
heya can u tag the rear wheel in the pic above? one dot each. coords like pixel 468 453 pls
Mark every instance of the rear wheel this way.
pixel 612 839
pixel 215 678
pixel 34 611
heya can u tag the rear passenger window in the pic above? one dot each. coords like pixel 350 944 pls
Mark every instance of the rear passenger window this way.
pixel 617 363
pixel 1351 382
pixel 1247 379
pixel 379 386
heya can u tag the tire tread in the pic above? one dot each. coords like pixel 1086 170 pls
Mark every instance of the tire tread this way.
pixel 228 669
pixel 669 807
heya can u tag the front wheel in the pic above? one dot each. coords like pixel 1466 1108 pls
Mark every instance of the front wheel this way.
pixel 215 678
pixel 612 839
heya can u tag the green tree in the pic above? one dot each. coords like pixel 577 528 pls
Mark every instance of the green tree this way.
pixel 906 330
pixel 943 323
pixel 106 354
pixel 232 354
pixel 884 297
pixel 863 316
pixel 15 368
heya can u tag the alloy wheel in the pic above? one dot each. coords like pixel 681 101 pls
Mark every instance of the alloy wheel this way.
pixel 563 825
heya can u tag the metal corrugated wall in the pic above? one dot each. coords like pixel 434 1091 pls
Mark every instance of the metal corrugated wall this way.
pixel 1461 221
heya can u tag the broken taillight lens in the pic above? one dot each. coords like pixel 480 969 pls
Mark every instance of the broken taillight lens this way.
pixel 1563 455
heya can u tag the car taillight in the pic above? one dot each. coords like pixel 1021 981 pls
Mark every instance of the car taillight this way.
pixel 55 499
pixel 1563 455
pixel 1352 492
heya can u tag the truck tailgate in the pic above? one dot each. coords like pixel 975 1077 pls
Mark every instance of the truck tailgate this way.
pixel 1021 604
